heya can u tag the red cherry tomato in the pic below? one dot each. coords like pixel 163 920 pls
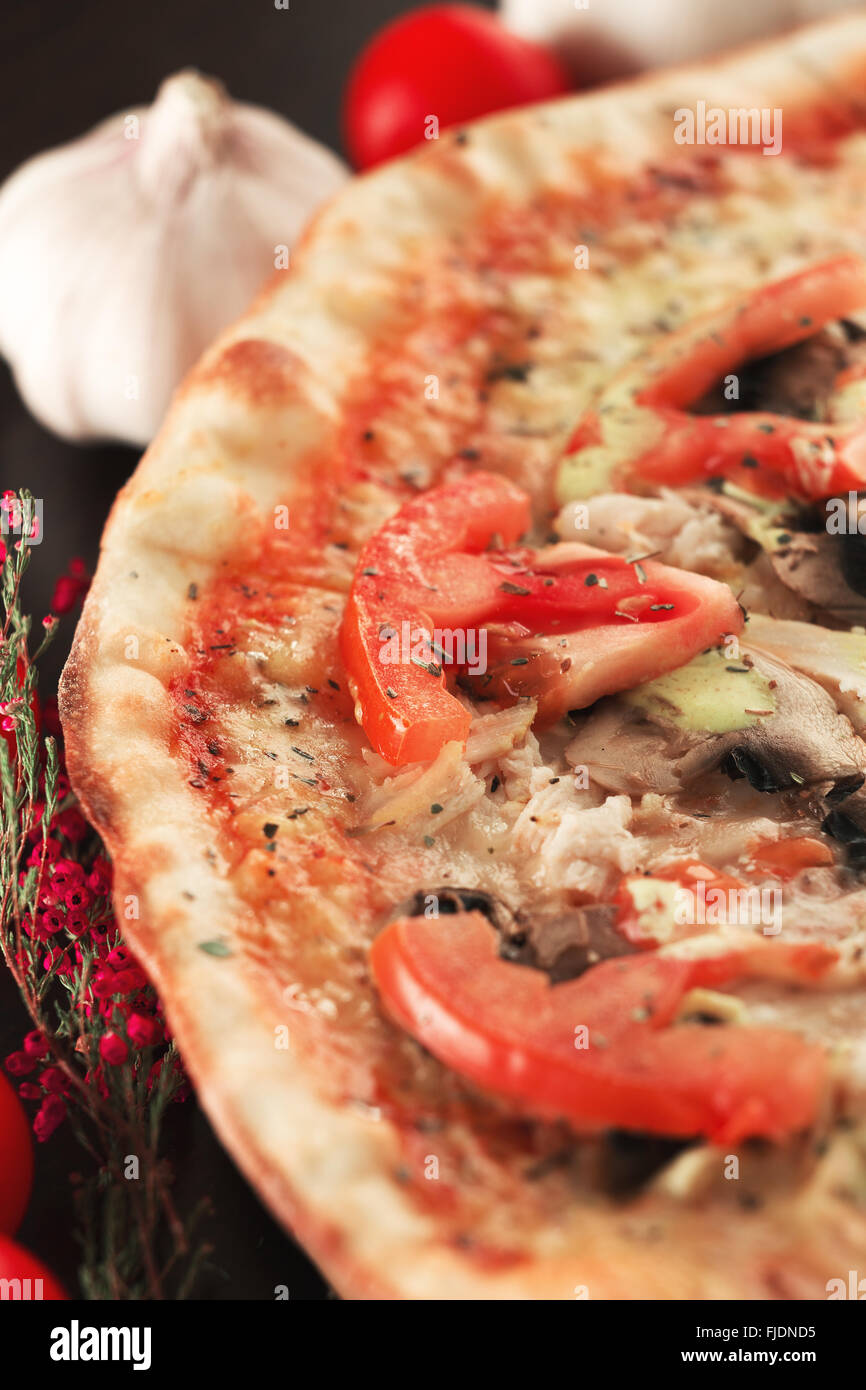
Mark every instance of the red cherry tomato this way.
pixel 16 1159
pixel 454 62
pixel 16 1263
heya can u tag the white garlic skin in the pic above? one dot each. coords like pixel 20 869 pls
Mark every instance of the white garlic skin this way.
pixel 604 39
pixel 122 258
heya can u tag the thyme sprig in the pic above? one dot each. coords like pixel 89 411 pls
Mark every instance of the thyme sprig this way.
pixel 99 1054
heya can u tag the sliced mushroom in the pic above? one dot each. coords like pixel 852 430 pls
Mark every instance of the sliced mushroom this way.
pixel 624 752
pixel 562 943
pixel 566 943
pixel 804 743
pixel 627 1161
pixel 797 381
pixel 836 660
pixel 826 571
pixel 817 566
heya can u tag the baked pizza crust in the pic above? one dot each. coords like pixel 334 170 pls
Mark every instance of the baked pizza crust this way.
pixel 261 409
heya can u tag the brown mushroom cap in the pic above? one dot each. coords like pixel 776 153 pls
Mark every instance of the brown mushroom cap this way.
pixel 804 744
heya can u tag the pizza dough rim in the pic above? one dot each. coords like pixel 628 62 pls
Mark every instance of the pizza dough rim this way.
pixel 324 1171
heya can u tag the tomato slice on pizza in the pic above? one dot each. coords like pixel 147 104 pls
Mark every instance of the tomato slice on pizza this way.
pixel 429 569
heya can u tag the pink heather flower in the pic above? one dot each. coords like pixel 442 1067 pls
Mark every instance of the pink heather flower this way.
pixel 72 824
pixel 75 920
pixel 99 879
pixel 130 980
pixel 65 594
pixel 143 1031
pixel 60 960
pixel 48 622
pixel 66 875
pixel 104 983
pixel 52 1079
pixel 51 1113
pixel 112 1049
pixel 35 1045
pixel 7 724
pixel 97 1081
pixel 52 853
pixel 70 587
pixel 19 1064
pixel 77 923
pixel 47 923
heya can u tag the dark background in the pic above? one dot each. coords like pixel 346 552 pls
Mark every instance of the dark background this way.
pixel 63 67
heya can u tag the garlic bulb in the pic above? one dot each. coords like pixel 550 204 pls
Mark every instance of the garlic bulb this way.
pixel 601 39
pixel 123 254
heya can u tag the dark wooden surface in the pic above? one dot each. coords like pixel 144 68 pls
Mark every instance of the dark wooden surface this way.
pixel 63 66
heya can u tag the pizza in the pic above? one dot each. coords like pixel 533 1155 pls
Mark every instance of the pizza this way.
pixel 471 697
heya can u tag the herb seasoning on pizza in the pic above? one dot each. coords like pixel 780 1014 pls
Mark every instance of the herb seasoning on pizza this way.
pixel 472 695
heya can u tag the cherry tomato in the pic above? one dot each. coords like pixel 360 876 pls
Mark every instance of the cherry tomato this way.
pixel 451 62
pixel 16 1263
pixel 16 1159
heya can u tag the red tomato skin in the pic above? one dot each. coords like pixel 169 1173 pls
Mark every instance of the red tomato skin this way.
pixel 786 858
pixel 17 1263
pixel 424 569
pixel 393 582
pixel 454 62
pixel 16 1160
pixel 503 1027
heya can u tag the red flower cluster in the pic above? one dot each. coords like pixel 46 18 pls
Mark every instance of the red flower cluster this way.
pixel 71 587
pixel 73 920
pixel 13 518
